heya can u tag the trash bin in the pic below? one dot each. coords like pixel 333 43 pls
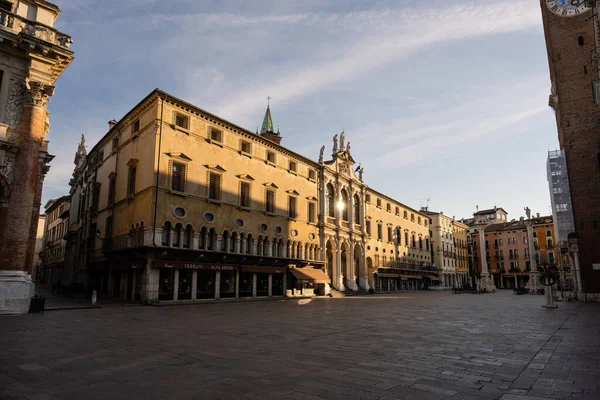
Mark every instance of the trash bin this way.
pixel 38 303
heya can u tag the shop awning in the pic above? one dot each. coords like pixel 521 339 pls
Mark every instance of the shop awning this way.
pixel 433 278
pixel 310 274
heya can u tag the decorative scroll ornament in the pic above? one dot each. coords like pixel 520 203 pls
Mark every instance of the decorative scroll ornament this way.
pixel 6 169
pixel 344 169
pixel 37 93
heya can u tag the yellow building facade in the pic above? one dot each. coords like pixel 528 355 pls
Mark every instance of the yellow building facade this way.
pixel 175 203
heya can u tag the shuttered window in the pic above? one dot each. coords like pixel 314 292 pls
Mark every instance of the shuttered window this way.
pixel 214 186
pixel 368 227
pixel 270 201
pixel 181 120
pixel 216 135
pixel 379 232
pixel 245 147
pixel 96 198
pixel 244 194
pixel 270 157
pixel 292 207
pixel 178 176
pixel 111 191
pixel 312 214
pixel 390 234
pixel 131 175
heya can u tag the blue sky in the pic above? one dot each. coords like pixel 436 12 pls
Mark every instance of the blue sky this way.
pixel 441 99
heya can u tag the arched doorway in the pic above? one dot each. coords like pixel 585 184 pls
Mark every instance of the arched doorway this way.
pixel 344 256
pixel 329 254
pixel 357 264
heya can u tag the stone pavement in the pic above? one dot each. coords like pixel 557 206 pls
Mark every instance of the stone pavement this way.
pixel 412 345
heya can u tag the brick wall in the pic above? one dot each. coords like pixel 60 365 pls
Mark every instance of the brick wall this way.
pixel 578 120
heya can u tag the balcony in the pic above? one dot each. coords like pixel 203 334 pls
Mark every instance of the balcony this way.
pixel 24 27
pixel 409 266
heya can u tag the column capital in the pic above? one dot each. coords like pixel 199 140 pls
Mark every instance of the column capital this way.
pixel 37 93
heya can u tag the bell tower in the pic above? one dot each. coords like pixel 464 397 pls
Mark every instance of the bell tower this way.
pixel 267 130
pixel 571 33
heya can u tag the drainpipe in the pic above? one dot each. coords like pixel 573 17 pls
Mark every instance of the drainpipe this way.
pixel 162 105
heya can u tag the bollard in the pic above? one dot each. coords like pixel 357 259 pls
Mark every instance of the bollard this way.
pixel 94 296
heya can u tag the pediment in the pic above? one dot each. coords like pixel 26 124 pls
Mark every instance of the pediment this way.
pixel 215 167
pixel 245 176
pixel 271 185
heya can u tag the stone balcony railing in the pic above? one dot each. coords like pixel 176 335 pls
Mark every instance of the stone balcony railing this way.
pixel 19 25
pixel 408 266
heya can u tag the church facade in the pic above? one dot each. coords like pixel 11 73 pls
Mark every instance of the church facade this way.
pixel 175 203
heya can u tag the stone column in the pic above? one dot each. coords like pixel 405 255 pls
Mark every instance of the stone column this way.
pixel 270 285
pixel 237 285
pixel 176 284
pixel 254 283
pixel 194 284
pixel 364 278
pixel 533 273
pixel 217 284
pixel 580 294
pixel 337 273
pixel 238 245
pixel 516 281
pixel 270 249
pixel 484 281
pixel 16 286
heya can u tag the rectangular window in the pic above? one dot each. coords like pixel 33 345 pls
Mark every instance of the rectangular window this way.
pixel 419 220
pixel 368 198
pixel 312 175
pixel 379 203
pixel 111 191
pixel 181 120
pixel 425 222
pixel 131 175
pixel 216 135
pixel 292 166
pixel 214 186
pixel 390 234
pixel 412 217
pixel 244 194
pixel 420 242
pixel 379 232
pixel 245 147
pixel 405 214
pixel 397 210
pixel 312 215
pixel 270 201
pixel 368 227
pixel 389 207
pixel 270 157
pixel 108 229
pixel 406 239
pixel 292 207
pixel 135 127
pixel 178 175
pixel 549 233
pixel 534 234
pixel 96 198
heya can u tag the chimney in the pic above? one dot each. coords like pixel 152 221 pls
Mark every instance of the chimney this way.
pixel 111 124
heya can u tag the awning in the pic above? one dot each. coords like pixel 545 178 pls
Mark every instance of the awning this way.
pixel 310 274
pixel 433 278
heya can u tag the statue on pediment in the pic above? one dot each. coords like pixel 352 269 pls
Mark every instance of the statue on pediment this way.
pixel 321 154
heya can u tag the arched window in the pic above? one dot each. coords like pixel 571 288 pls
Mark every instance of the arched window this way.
pixel 187 237
pixel 202 239
pixel 234 237
pixel 210 240
pixel 329 201
pixel 166 234
pixel 249 244
pixel 356 209
pixel 224 241
pixel 345 203
pixel 177 235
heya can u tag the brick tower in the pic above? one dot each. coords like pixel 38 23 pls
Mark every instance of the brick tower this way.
pixel 32 56
pixel 571 32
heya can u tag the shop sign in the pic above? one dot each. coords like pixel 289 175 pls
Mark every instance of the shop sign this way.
pixel 214 267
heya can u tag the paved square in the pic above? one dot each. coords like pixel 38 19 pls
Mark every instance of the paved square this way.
pixel 412 345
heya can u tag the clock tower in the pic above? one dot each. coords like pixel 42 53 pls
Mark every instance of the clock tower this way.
pixel 571 33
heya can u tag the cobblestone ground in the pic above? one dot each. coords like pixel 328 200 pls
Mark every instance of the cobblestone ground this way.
pixel 413 345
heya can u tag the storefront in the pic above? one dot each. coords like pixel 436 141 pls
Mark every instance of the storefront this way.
pixel 199 281
pixel 387 282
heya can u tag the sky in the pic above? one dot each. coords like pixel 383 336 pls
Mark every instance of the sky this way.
pixel 445 102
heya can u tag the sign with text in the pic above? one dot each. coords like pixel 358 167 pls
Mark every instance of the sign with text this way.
pixel 182 265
